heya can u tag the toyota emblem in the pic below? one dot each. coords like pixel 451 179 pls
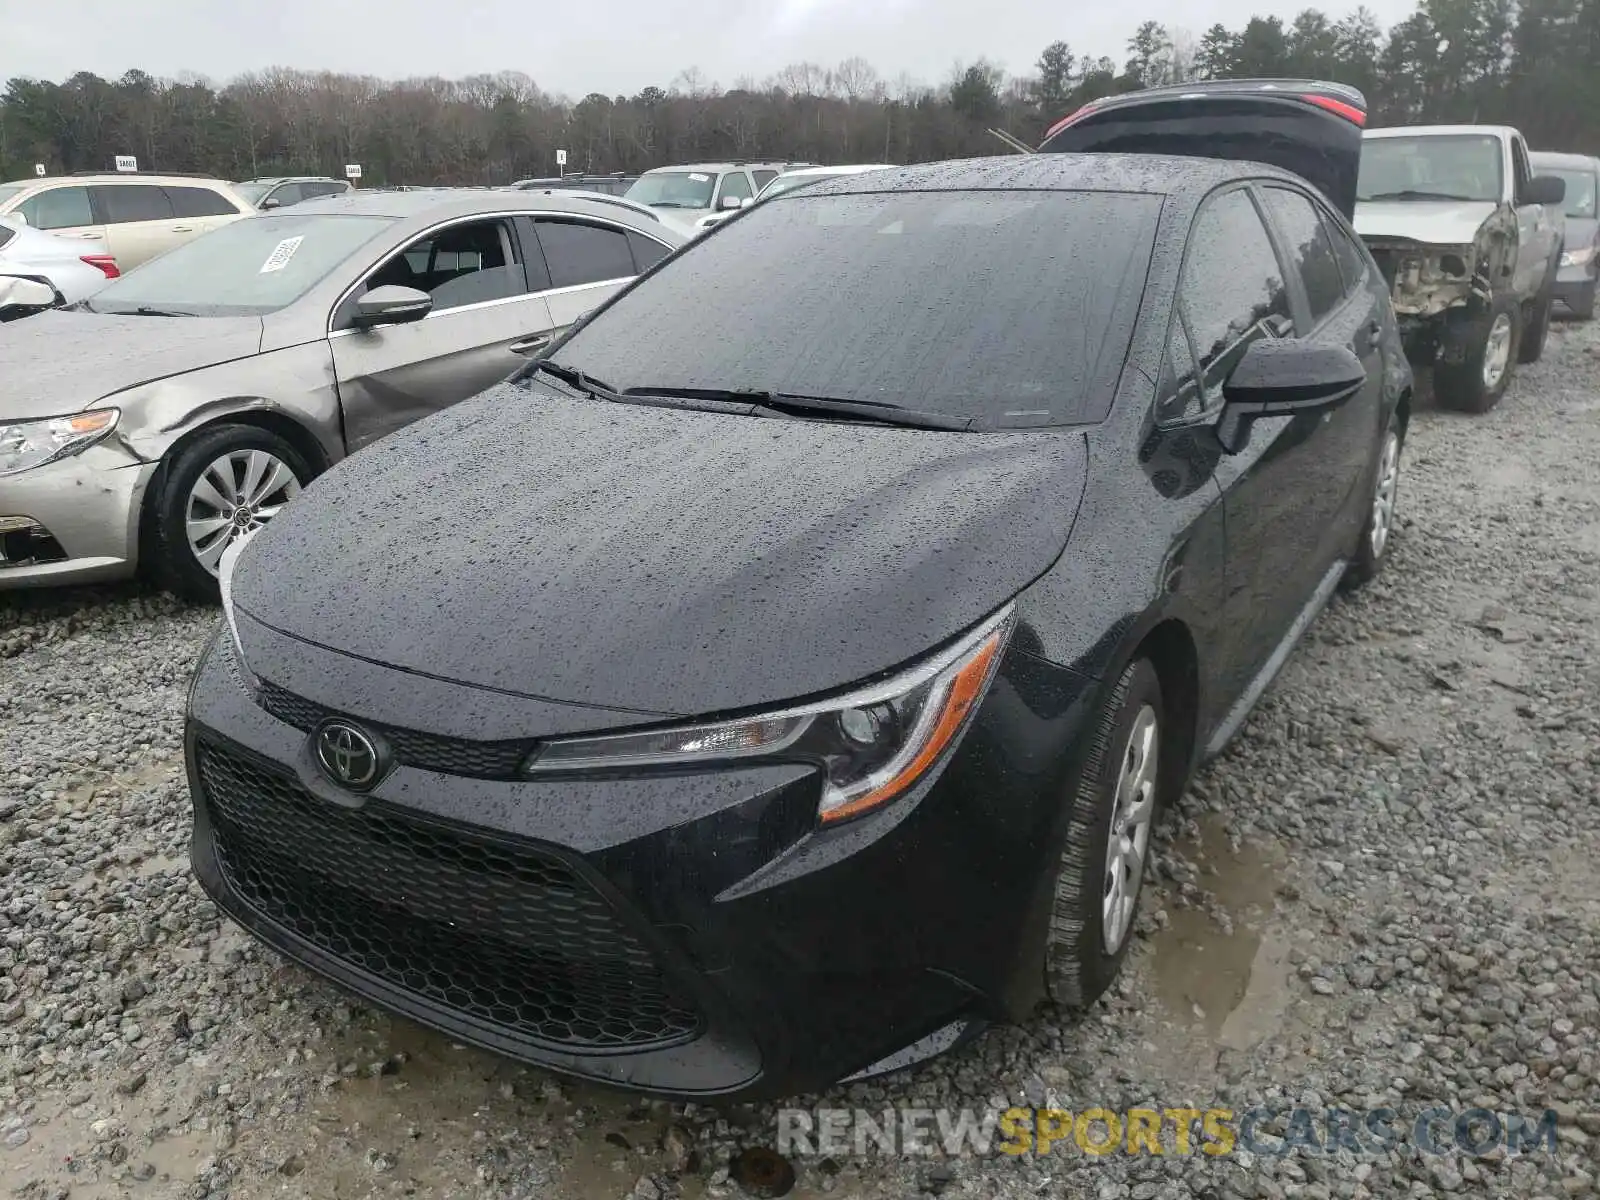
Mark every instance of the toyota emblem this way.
pixel 348 756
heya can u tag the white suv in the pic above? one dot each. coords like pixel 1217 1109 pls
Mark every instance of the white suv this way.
pixel 685 194
pixel 136 216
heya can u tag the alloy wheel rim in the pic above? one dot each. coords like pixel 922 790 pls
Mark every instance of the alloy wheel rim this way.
pixel 1497 353
pixel 1383 496
pixel 233 497
pixel 1132 812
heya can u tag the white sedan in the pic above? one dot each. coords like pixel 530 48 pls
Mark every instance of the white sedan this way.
pixel 788 181
pixel 76 268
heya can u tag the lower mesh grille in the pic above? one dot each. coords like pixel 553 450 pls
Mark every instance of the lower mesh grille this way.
pixel 508 935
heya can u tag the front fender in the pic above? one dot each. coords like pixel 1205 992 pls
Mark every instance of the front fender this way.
pixel 296 383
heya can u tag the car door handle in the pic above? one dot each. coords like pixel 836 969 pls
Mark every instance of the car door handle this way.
pixel 183 229
pixel 528 345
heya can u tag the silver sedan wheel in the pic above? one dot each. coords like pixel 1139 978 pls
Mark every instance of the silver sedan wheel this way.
pixel 1384 494
pixel 1497 353
pixel 235 495
pixel 1131 815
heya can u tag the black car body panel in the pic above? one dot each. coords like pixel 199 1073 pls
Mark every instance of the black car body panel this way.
pixel 597 544
pixel 1309 128
pixel 840 557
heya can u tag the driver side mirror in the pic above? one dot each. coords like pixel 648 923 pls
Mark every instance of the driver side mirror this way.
pixel 20 217
pixel 729 202
pixel 1285 378
pixel 391 304
pixel 747 202
pixel 271 202
pixel 1544 189
pixel 20 296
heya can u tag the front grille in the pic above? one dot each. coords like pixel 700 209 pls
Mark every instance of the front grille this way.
pixel 427 751
pixel 504 933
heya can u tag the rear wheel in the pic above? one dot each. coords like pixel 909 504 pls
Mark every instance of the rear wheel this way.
pixel 1102 869
pixel 1474 364
pixel 1583 304
pixel 230 481
pixel 1372 551
pixel 1537 326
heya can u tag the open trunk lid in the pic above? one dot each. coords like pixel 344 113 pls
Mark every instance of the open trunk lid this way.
pixel 1310 128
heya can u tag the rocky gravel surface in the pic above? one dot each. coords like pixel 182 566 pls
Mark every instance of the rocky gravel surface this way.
pixel 1386 894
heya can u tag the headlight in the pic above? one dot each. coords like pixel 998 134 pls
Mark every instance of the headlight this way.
pixel 225 569
pixel 28 444
pixel 1577 258
pixel 872 744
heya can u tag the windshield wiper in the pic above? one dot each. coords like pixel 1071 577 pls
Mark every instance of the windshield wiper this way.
pixel 144 310
pixel 1409 194
pixel 675 204
pixel 572 378
pixel 790 404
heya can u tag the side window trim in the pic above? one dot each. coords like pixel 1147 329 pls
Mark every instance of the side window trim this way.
pixel 1299 302
pixel 335 327
pixel 1337 231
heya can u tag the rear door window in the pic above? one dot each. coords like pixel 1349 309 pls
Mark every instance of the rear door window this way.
pixel 579 253
pixel 58 208
pixel 1353 266
pixel 287 194
pixel 763 178
pixel 1233 291
pixel 124 203
pixel 198 202
pixel 647 252
pixel 1310 249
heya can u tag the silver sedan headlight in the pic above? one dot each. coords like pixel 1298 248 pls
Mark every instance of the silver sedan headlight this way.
pixel 872 744
pixel 25 445
pixel 1577 258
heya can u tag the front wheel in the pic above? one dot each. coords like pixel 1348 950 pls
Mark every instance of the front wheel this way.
pixel 1474 365
pixel 1102 869
pixel 227 483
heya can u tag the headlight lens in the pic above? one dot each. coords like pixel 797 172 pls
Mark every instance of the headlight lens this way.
pixel 225 569
pixel 873 744
pixel 1577 258
pixel 28 444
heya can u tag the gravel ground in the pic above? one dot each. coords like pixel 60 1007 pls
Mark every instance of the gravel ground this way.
pixel 1385 894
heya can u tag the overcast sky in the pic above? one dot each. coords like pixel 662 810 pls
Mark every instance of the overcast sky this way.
pixel 580 46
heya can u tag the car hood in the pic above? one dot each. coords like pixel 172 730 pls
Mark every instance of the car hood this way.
pixel 1580 232
pixel 1435 222
pixel 58 362
pixel 662 561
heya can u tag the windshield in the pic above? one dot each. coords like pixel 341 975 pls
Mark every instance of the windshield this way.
pixel 245 268
pixel 1580 201
pixel 7 192
pixel 252 191
pixel 1464 166
pixel 1013 307
pixel 673 189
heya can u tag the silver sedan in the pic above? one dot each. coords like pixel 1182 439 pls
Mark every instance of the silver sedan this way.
pixel 184 404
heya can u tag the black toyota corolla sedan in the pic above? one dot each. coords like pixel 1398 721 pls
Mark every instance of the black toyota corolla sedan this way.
pixel 778 680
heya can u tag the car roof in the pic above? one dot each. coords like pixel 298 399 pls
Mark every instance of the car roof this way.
pixel 457 202
pixel 850 169
pixel 294 179
pixel 95 177
pixel 1436 130
pixel 716 166
pixel 1156 174
pixel 1561 158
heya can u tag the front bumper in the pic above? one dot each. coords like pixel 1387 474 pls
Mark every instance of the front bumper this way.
pixel 73 521
pixel 688 934
pixel 1575 282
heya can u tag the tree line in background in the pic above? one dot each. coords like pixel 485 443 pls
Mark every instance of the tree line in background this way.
pixel 1530 63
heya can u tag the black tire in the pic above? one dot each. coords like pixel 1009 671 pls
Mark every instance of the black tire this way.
pixel 1536 328
pixel 1372 552
pixel 1078 967
pixel 1458 382
pixel 176 566
pixel 1583 304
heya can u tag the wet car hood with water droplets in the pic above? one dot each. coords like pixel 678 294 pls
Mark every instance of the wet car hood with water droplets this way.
pixel 659 560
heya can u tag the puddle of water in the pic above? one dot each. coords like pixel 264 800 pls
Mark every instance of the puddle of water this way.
pixel 1229 985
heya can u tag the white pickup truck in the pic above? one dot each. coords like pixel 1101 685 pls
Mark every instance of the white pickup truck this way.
pixel 1470 241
